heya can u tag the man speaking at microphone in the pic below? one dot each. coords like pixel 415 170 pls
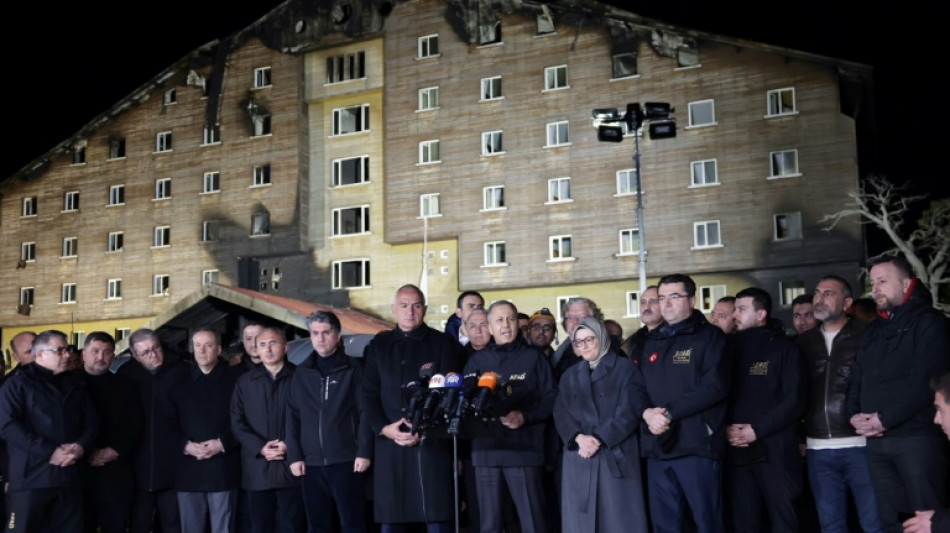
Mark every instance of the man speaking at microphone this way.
pixel 511 453
pixel 412 475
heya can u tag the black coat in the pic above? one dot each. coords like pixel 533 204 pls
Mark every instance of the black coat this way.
pixel 203 405
pixel 258 414
pixel 325 425
pixel 410 484
pixel 899 356
pixel 121 425
pixel 38 413
pixel 161 442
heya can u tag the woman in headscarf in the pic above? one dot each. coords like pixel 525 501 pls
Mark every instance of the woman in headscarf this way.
pixel 597 412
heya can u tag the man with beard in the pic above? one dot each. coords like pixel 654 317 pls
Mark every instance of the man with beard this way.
pixel 650 317
pixel 722 314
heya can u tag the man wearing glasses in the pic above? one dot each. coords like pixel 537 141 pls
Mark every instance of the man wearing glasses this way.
pixel 573 312
pixel 48 422
pixel 686 374
pixel 155 373
pixel 541 331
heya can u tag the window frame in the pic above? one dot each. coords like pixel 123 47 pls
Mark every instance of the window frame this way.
pixel 211 182
pixel 27 296
pixel 703 164
pixel 116 148
pixel 787 292
pixel 493 143
pixel 70 201
pixel 209 230
pixel 494 254
pixel 362 220
pixel 426 98
pixel 425 152
pixel 67 293
pixel 692 114
pixel 632 307
pixel 557 242
pixel 163 142
pixel 424 46
pixel 706 224
pixel 715 293
pixel 161 236
pixel 555 129
pixel 487 88
pixel 261 229
pixel 631 235
pixel 774 103
pixel 360 119
pixel 425 205
pixel 775 164
pixel 29 207
pixel 631 178
pixel 114 289
pixel 211 136
pixel 554 188
pixel 28 251
pixel 163 189
pixel 493 202
pixel 346 67
pixel 70 247
pixel 336 277
pixel 614 69
pixel 116 195
pixel 209 276
pixel 362 166
pixel 170 97
pixel 263 77
pixel 161 284
pixel 260 175
pixel 552 79
pixel 795 231
pixel 115 242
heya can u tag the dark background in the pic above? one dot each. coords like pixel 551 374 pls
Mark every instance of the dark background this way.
pixel 66 63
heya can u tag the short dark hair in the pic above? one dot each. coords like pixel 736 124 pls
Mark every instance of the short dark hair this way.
pixel 324 317
pixel 205 329
pixel 45 336
pixel 688 284
pixel 466 294
pixel 761 300
pixel 802 299
pixel 899 261
pixel 844 283
pixel 100 336
pixel 523 316
pixel 727 300
pixel 941 384
pixel 248 322
pixel 276 331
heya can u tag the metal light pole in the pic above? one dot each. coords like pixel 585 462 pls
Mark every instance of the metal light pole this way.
pixel 640 235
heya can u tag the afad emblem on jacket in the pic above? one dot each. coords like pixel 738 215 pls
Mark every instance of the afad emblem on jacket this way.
pixel 759 368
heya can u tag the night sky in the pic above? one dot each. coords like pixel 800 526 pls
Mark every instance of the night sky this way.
pixel 68 62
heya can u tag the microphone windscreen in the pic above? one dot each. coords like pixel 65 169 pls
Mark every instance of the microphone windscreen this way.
pixel 453 380
pixel 437 381
pixel 488 380
pixel 426 371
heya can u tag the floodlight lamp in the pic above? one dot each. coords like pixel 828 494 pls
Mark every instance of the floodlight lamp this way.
pixel 662 130
pixel 657 110
pixel 605 114
pixel 612 133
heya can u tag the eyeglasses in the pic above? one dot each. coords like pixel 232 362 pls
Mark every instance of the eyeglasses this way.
pixel 575 317
pixel 547 328
pixel 62 350
pixel 590 342
pixel 153 350
pixel 675 297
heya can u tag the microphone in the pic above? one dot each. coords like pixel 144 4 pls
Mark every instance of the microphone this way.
pixel 453 387
pixel 436 386
pixel 426 372
pixel 414 391
pixel 486 387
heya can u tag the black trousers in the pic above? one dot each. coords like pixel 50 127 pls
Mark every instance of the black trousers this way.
pixel 106 517
pixel 39 510
pixel 763 497
pixel 155 512
pixel 908 474
pixel 526 489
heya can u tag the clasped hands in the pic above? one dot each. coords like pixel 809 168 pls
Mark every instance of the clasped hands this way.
pixel 656 420
pixel 66 454
pixel 205 449
pixel 868 425
pixel 740 435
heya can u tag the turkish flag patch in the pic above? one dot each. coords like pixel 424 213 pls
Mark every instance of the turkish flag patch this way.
pixel 653 357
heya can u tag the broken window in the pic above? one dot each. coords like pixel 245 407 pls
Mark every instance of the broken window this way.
pixel 209 230
pixel 624 65
pixel 346 67
pixel 79 155
pixel 116 147
pixel 545 22
pixel 687 57
pixel 787 226
pixel 260 224
pixel 489 33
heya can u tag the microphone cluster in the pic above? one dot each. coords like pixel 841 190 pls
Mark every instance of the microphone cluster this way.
pixel 436 400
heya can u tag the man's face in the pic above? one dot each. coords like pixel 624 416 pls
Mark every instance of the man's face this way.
pixel 207 349
pixel 148 353
pixel 324 339
pixel 53 355
pixel 722 316
pixel 675 305
pixel 469 303
pixel 503 324
pixel 97 357
pixel 249 338
pixel 409 309
pixel 942 418
pixel 541 332
pixel 477 328
pixel 576 312
pixel 23 349
pixel 650 309
pixel 887 286
pixel 271 348
pixel 803 317
pixel 745 316
pixel 829 301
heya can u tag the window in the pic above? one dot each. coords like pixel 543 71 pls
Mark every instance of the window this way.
pixel 704 173
pixel 68 294
pixel 633 304
pixel 559 190
pixel 114 289
pixel 346 67
pixel 28 251
pixel 429 152
pixel 629 241
pixel 781 102
pixel 262 77
pixel 624 65
pixel 122 333
pixel 495 254
pixel 351 274
pixel 163 142
pixel 353 119
pixel 709 295
pixel 493 197
pixel 116 148
pixel 212 135
pixel 491 88
pixel 71 201
pixel 209 276
pixel 428 98
pixel 555 78
pixel 789 290
pixel 29 207
pixel 117 195
pixel 170 97
pixel 491 143
pixel 160 285
pixel 626 182
pixel 261 123
pixel 429 205
pixel 260 224
pixel 558 133
pixel 702 113
pixel 784 164
pixel 163 188
pixel 351 220
pixel 687 56
pixel 489 33
pixel 560 248
pixel 78 338
pixel 787 226
pixel 261 176
pixel 26 296
pixel 211 182
pixel 79 155
pixel 428 46
pixel 116 241
pixel 706 234
pixel 209 230
pixel 161 236
pixel 545 23
pixel 71 246
pixel 351 171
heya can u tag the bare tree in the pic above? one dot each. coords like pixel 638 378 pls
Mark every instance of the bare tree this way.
pixel 927 247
